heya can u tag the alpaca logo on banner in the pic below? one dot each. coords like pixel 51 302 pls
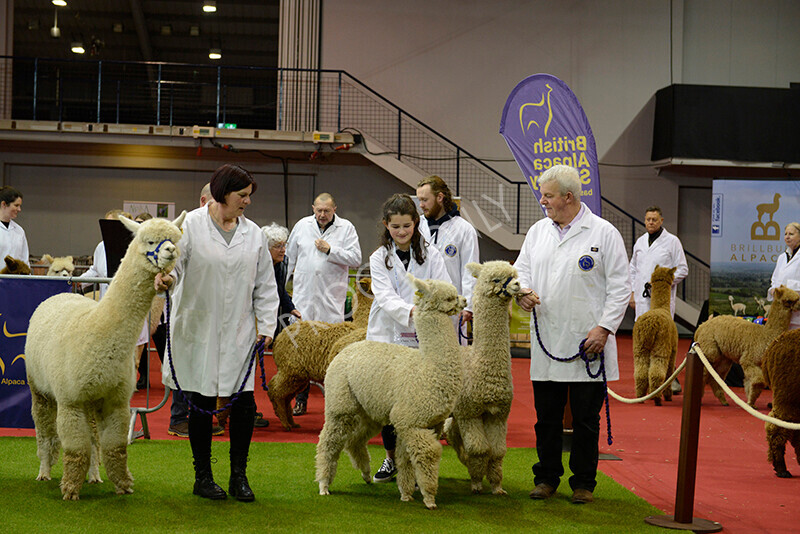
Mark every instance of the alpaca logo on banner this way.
pixel 544 125
pixel 761 231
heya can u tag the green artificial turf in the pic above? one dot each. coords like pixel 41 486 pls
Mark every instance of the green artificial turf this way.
pixel 287 500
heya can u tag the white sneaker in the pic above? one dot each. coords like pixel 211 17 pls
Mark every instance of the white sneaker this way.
pixel 387 471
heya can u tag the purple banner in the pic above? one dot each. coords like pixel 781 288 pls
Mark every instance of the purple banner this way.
pixel 544 125
pixel 18 298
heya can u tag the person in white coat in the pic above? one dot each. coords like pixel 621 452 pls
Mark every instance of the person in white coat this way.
pixel 12 237
pixel 453 237
pixel 321 249
pixel 224 301
pixel 574 271
pixel 403 250
pixel 787 268
pixel 654 248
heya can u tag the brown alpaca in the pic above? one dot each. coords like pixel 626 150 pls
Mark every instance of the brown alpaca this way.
pixel 726 340
pixel 303 351
pixel 781 368
pixel 655 338
pixel 15 266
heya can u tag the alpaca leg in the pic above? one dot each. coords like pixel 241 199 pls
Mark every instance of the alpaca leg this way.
pixel 113 428
pixel 794 439
pixel 452 434
pixel 356 448
pixel 496 431
pixel 280 392
pixel 657 374
pixel 48 445
pixel 669 371
pixel 425 453
pixel 476 450
pixel 721 365
pixel 74 431
pixel 754 383
pixel 776 450
pixel 641 364
pixel 332 439
pixel 405 472
pixel 94 460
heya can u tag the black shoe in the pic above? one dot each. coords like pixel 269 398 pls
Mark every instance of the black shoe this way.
pixel 299 408
pixel 205 487
pixel 238 486
pixel 260 422
pixel 387 471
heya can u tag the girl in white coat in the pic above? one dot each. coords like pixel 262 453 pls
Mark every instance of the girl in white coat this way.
pixel 787 269
pixel 402 251
pixel 225 299
pixel 12 237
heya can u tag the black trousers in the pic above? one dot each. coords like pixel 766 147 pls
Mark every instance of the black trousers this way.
pixel 241 426
pixel 586 401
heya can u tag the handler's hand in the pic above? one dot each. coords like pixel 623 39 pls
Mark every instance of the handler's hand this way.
pixel 596 339
pixel 297 313
pixel 163 281
pixel 322 246
pixel 528 300
pixel 466 316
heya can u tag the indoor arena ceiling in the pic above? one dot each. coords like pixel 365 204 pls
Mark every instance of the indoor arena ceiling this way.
pixel 245 31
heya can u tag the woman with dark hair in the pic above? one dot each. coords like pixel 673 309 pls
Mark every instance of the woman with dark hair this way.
pixel 12 237
pixel 403 251
pixel 224 301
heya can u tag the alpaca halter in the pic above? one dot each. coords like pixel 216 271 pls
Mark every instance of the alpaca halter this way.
pixel 503 290
pixel 587 359
pixel 152 256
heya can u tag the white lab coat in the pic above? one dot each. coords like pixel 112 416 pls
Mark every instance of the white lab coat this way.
pixel 582 282
pixel 222 293
pixel 457 241
pixel 787 273
pixel 665 251
pixel 13 243
pixel 394 294
pixel 320 280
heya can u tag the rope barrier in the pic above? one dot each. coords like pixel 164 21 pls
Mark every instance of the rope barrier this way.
pixel 667 383
pixel 746 407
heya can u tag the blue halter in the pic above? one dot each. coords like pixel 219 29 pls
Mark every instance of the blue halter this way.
pixel 152 256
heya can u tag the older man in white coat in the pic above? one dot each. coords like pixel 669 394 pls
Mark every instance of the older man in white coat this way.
pixel 453 237
pixel 321 249
pixel 656 247
pixel 573 267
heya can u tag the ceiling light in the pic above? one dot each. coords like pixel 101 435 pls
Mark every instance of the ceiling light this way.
pixel 77 47
pixel 117 27
pixel 215 53
pixel 210 6
pixel 166 29
pixel 194 31
pixel 60 3
pixel 55 31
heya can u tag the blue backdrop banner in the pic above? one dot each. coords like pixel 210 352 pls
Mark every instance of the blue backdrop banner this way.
pixel 544 125
pixel 18 299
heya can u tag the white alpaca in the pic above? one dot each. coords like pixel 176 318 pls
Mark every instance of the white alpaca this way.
pixel 762 303
pixel 79 356
pixel 371 384
pixel 477 430
pixel 738 307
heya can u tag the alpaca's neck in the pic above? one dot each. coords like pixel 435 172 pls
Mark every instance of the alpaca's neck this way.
pixel 127 301
pixel 437 337
pixel 660 296
pixel 779 318
pixel 362 305
pixel 490 329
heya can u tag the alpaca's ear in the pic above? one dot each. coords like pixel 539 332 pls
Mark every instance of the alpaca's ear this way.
pixel 474 269
pixel 179 221
pixel 47 258
pixel 366 285
pixel 69 259
pixel 421 285
pixel 672 271
pixel 9 262
pixel 133 226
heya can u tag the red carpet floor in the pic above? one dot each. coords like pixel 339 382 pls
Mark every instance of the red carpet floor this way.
pixel 735 484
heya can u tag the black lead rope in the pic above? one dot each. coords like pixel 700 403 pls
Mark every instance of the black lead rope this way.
pixel 257 349
pixel 587 359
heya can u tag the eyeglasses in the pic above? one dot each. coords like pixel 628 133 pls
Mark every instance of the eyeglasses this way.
pixel 278 246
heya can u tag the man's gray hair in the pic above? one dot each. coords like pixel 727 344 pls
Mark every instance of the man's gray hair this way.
pixel 275 233
pixel 566 177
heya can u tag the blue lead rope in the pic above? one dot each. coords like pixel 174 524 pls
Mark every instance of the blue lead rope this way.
pixel 257 350
pixel 588 359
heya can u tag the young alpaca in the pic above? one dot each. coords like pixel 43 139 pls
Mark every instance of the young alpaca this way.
pixel 655 338
pixel 303 351
pixel 371 384
pixel 726 339
pixel 477 430
pixel 80 362
pixel 62 266
pixel 781 368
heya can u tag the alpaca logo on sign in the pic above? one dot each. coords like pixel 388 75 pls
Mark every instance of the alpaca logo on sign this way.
pixel 761 231
pixel 538 109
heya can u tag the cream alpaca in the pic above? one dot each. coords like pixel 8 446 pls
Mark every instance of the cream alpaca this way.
pixel 726 339
pixel 655 338
pixel 477 430
pixel 371 384
pixel 79 356
pixel 303 351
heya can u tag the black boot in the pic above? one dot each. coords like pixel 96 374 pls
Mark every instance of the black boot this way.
pixel 204 484
pixel 239 486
